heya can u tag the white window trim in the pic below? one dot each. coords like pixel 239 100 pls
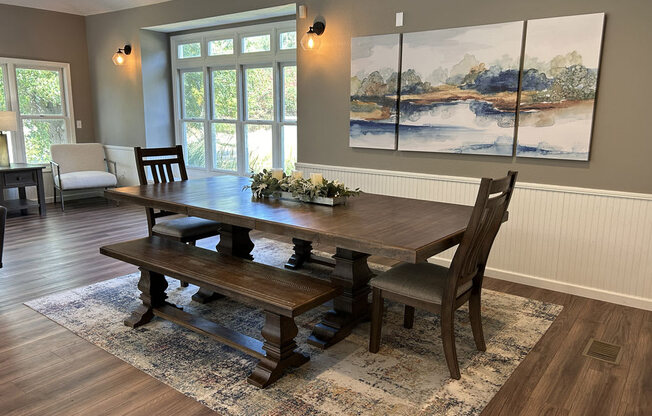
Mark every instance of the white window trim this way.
pixel 276 58
pixel 17 140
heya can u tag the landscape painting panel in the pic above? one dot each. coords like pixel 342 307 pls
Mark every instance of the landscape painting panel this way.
pixel 560 76
pixel 459 89
pixel 374 91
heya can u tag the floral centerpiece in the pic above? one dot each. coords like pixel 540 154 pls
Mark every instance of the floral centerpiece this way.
pixel 317 189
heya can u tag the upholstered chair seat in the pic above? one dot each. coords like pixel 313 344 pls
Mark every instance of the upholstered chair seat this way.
pixel 186 227
pixel 420 281
pixel 85 179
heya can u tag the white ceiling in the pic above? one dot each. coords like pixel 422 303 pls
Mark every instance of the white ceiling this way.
pixel 82 7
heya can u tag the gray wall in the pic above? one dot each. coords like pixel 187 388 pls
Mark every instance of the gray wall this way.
pixel 622 142
pixel 49 36
pixel 157 88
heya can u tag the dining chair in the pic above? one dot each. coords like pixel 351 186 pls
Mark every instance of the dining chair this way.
pixel 161 162
pixel 443 290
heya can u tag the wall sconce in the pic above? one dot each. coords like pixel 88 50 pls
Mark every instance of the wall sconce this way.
pixel 119 57
pixel 311 40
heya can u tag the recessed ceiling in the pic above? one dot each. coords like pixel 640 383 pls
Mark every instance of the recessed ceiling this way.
pixel 228 19
pixel 82 7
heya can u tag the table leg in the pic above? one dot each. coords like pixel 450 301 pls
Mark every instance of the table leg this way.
pixel 22 194
pixel 234 241
pixel 40 190
pixel 303 254
pixel 352 307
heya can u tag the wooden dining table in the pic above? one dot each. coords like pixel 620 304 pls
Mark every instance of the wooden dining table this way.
pixel 408 230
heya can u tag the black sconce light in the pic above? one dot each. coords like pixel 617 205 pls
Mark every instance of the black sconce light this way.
pixel 119 57
pixel 311 40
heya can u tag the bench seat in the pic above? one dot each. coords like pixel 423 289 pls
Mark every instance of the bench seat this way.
pixel 282 294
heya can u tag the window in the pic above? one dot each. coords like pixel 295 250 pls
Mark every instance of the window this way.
pixel 189 50
pixel 3 94
pixel 39 93
pixel 236 107
pixel 220 47
pixel 261 43
pixel 288 40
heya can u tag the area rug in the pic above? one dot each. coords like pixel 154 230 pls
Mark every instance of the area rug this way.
pixel 408 376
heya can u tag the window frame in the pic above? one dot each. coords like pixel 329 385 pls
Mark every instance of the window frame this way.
pixel 239 61
pixel 17 139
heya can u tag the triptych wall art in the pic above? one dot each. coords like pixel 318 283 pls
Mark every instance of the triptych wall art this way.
pixel 458 90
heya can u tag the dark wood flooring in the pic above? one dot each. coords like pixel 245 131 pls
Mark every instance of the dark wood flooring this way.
pixel 47 370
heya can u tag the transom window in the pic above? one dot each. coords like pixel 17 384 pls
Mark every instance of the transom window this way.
pixel 235 98
pixel 39 92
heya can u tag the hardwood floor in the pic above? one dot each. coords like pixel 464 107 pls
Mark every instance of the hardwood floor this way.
pixel 47 370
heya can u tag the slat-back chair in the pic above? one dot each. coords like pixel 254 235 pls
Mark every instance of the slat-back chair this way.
pixel 161 162
pixel 443 290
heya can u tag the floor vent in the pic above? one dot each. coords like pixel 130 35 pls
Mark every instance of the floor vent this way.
pixel 603 351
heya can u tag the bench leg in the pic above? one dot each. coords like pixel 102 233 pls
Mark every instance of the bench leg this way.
pixel 152 287
pixel 279 332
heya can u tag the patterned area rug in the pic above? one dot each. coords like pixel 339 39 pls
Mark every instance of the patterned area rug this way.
pixel 408 376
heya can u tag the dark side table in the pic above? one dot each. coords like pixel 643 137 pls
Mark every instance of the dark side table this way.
pixel 20 175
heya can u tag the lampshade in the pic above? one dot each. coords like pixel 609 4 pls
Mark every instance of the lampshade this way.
pixel 8 121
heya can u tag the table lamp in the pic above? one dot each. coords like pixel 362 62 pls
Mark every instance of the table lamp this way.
pixel 7 123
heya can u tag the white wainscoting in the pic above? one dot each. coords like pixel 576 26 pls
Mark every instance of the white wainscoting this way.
pixel 587 242
pixel 125 161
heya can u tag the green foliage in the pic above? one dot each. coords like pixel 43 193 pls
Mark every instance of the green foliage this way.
pixel 264 185
pixel 574 83
pixel 39 93
pixel 193 94
pixel 226 152
pixel 289 40
pixel 39 135
pixel 194 134
pixel 290 92
pixel 225 94
pixel 190 50
pixel 260 93
pixel 3 98
pixel 289 148
pixel 220 47
pixel 259 146
pixel 260 43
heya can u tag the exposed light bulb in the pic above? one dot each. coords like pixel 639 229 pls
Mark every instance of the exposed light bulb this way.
pixel 118 58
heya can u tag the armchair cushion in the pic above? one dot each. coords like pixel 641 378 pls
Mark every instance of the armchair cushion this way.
pixel 422 281
pixel 79 157
pixel 86 179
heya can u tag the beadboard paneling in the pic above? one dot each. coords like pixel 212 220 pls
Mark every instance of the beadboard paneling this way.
pixel 588 242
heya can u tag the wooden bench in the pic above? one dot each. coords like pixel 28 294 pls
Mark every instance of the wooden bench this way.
pixel 280 293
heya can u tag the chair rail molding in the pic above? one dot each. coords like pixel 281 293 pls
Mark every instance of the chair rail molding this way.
pixel 588 242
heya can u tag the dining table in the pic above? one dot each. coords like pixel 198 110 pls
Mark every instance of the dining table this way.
pixel 403 229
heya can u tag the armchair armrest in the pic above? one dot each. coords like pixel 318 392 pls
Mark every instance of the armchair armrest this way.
pixel 111 163
pixel 56 173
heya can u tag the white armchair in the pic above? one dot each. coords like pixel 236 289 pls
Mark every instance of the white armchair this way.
pixel 80 166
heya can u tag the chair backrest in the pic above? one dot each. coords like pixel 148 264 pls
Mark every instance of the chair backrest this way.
pixel 486 218
pixel 79 157
pixel 161 163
